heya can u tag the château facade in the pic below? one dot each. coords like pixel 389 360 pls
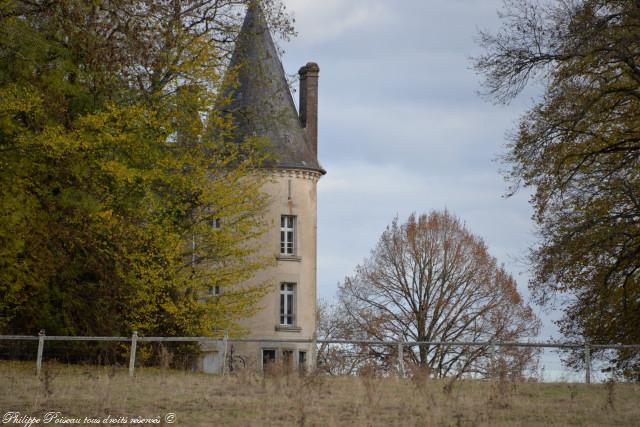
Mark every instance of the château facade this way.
pixel 262 106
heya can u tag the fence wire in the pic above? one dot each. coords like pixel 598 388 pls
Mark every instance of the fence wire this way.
pixel 526 361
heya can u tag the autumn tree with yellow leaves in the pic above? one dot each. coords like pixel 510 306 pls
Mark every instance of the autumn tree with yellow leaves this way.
pixel 120 206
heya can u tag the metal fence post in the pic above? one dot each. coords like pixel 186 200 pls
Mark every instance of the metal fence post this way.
pixel 400 360
pixel 225 341
pixel 41 336
pixel 587 363
pixel 492 359
pixel 132 355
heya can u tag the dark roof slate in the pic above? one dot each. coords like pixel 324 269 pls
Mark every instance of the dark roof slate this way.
pixel 262 104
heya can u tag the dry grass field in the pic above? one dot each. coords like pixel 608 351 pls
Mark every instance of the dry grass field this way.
pixel 288 400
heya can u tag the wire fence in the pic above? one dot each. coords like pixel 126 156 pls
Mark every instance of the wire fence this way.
pixel 537 361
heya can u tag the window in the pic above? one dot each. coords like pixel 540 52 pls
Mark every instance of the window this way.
pixel 287 360
pixel 214 290
pixel 216 223
pixel 302 361
pixel 287 234
pixel 268 357
pixel 287 303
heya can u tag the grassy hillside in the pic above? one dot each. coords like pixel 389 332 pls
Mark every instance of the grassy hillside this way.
pixel 281 400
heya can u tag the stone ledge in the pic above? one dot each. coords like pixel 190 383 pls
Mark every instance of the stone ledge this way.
pixel 284 328
pixel 289 258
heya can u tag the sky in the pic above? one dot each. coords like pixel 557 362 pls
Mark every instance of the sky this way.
pixel 403 129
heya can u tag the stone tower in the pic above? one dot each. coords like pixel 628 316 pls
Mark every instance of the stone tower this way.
pixel 262 106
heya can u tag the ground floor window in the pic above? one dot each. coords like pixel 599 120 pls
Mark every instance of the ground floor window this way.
pixel 302 361
pixel 268 357
pixel 287 359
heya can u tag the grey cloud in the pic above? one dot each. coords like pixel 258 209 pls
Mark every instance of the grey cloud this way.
pixel 402 128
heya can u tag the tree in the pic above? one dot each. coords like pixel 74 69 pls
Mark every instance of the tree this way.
pixel 578 147
pixel 430 279
pixel 111 180
pixel 333 323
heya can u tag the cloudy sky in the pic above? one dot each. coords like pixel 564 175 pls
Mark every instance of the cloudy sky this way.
pixel 402 127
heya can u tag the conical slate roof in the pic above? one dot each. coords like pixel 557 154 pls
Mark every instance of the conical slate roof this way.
pixel 262 105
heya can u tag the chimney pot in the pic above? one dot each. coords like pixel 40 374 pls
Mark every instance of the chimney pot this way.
pixel 309 102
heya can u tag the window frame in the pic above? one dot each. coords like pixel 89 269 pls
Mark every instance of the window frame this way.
pixel 287 231
pixel 287 308
pixel 302 361
pixel 216 223
pixel 273 360
pixel 288 359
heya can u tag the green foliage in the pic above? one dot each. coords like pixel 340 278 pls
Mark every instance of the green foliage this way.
pixel 112 178
pixel 579 147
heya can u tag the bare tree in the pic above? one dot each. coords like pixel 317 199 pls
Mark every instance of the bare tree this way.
pixel 336 359
pixel 430 279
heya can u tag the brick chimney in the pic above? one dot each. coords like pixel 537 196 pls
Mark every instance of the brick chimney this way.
pixel 309 102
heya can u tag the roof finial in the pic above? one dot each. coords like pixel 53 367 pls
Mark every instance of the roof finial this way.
pixel 253 4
